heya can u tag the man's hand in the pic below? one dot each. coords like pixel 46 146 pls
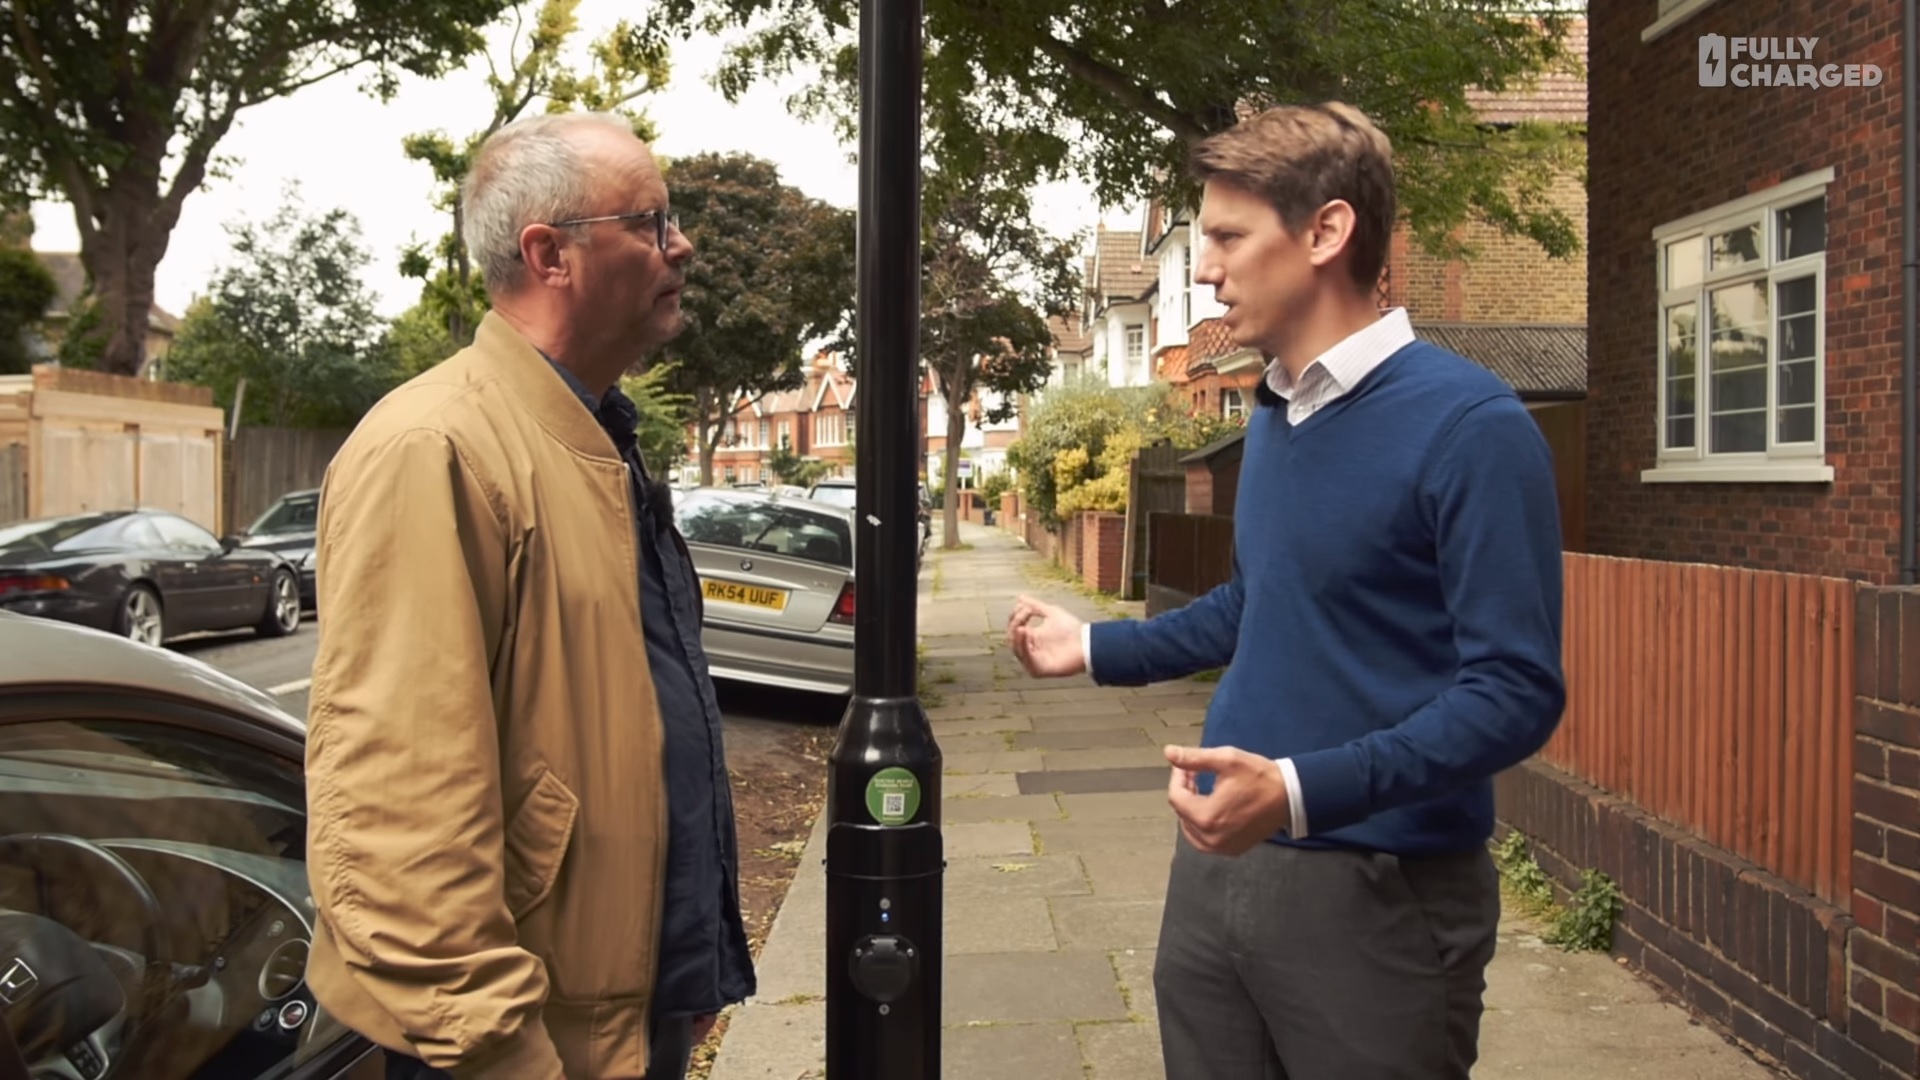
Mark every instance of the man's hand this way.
pixel 1248 803
pixel 1045 639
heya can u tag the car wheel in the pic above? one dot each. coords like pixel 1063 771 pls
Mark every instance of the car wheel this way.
pixel 142 618
pixel 283 607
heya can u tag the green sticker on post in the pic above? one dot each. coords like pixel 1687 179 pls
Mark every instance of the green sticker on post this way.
pixel 893 796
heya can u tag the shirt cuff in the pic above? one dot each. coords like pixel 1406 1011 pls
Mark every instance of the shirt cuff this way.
pixel 1295 805
pixel 1086 648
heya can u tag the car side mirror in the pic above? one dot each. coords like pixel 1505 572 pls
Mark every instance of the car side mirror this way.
pixel 228 543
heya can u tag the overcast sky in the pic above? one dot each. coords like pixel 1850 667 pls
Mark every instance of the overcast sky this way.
pixel 344 148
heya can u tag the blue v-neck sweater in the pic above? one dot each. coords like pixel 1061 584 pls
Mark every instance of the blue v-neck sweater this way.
pixel 1393 624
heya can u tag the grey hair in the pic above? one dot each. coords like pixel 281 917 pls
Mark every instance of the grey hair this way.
pixel 529 171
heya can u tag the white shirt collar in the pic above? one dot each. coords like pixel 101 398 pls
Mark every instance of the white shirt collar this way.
pixel 1354 358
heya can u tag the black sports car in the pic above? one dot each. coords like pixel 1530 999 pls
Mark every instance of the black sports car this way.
pixel 146 575
pixel 288 527
pixel 154 905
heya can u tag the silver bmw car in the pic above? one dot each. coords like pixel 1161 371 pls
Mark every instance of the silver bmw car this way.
pixel 777 575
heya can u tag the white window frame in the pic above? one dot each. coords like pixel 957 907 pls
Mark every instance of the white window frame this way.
pixel 1782 463
pixel 1233 403
pixel 1136 363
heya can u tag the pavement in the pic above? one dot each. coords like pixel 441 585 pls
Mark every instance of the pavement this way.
pixel 1058 838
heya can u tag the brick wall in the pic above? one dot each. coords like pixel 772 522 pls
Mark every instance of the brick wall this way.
pixel 1825 991
pixel 1510 279
pixel 1663 147
pixel 1885 947
pixel 1102 539
pixel 1199 489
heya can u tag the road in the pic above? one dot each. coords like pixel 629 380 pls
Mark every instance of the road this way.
pixel 757 721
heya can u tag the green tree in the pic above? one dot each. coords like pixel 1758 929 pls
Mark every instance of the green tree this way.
pixel 290 319
pixel 26 291
pixel 117 107
pixel 788 467
pixel 1079 420
pixel 1117 92
pixel 990 279
pixel 662 430
pixel 624 65
pixel 772 272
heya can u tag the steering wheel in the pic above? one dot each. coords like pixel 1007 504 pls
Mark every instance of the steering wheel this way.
pixel 55 989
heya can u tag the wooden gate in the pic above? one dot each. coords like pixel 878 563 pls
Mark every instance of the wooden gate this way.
pixel 1158 484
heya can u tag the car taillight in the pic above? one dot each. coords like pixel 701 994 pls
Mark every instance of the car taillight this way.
pixel 33 583
pixel 843 607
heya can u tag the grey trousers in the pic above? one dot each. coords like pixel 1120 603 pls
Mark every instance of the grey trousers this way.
pixel 1294 964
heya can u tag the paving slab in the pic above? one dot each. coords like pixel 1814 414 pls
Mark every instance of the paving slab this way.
pixel 1132 757
pixel 1141 872
pixel 1003 808
pixel 981 838
pixel 1029 1051
pixel 1028 987
pixel 1123 1051
pixel 1132 804
pixel 1096 718
pixel 1093 836
pixel 1092 781
pixel 979 785
pixel 1094 739
pixel 985 742
pixel 994 761
pixel 1106 923
pixel 1134 970
pixel 979 725
pixel 998 925
pixel 983 880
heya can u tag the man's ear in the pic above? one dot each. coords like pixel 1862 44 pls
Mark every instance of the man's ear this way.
pixel 540 247
pixel 1331 232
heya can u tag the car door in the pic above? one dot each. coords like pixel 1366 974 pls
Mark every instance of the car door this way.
pixel 228 592
pixel 154 913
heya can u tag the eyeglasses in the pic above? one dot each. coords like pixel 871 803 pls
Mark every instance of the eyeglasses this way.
pixel 662 221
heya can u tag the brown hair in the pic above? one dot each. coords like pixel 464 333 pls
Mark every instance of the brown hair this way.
pixel 1302 157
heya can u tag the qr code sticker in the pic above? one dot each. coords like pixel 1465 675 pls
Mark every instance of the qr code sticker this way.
pixel 893 803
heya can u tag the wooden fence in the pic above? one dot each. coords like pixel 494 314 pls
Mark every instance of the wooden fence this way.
pixel 13 484
pixel 1188 554
pixel 1156 483
pixel 1719 700
pixel 266 463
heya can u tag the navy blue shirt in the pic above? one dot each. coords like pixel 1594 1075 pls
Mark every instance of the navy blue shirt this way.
pixel 1393 623
pixel 704 961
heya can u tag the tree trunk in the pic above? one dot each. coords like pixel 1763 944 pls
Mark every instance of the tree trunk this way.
pixel 950 471
pixel 121 261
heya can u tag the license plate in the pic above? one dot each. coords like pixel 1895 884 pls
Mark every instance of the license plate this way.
pixel 732 592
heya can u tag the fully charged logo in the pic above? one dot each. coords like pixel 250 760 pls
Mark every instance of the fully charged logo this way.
pixel 1776 61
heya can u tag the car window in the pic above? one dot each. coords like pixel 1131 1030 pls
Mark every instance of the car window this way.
pixel 295 513
pixel 127 842
pixel 836 494
pixel 754 525
pixel 183 534
pixel 61 534
pixel 138 532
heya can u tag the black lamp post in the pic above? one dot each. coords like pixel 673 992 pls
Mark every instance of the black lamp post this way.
pixel 885 857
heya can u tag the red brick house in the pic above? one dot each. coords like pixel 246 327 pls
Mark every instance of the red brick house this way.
pixel 1775 215
pixel 814 420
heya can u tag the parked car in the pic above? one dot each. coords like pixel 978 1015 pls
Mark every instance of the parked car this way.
pixel 144 574
pixel 155 917
pixel 777 575
pixel 288 527
pixel 840 491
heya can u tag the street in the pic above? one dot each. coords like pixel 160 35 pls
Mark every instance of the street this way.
pixel 757 721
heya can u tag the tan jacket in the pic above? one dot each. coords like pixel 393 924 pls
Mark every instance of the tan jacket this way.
pixel 488 823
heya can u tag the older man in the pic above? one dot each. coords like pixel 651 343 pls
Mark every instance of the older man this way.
pixel 522 849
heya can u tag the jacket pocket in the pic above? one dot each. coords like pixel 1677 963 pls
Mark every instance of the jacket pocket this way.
pixel 536 842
